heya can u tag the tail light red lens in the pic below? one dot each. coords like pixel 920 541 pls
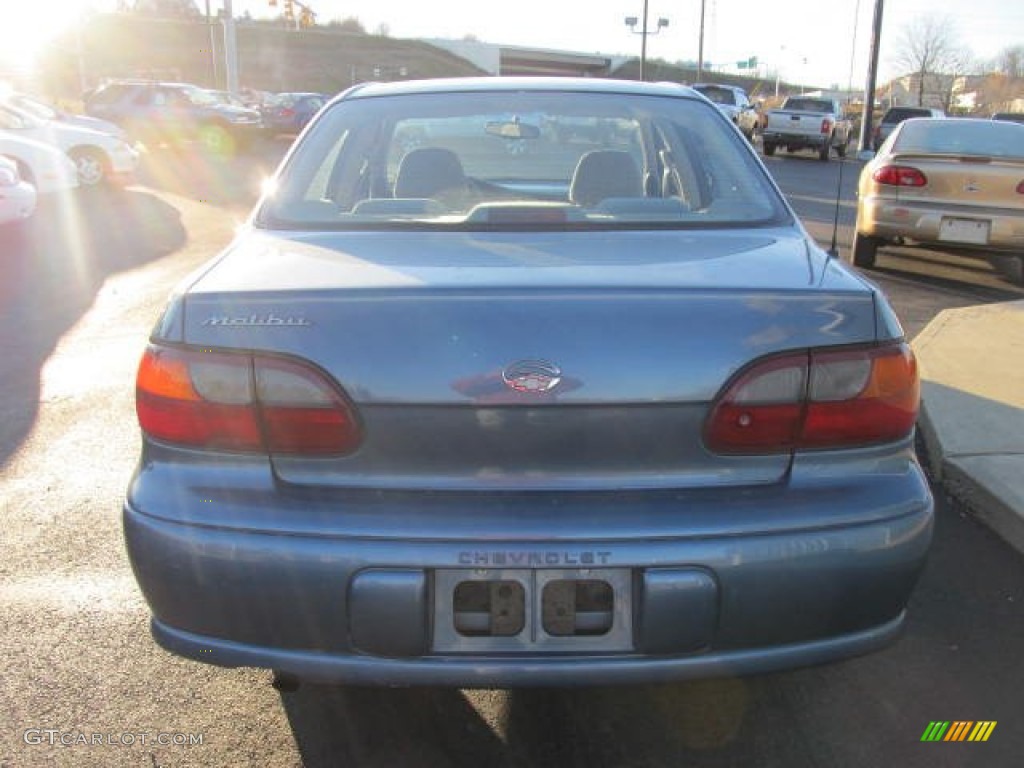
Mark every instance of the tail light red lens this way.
pixel 899 176
pixel 826 126
pixel 817 400
pixel 239 402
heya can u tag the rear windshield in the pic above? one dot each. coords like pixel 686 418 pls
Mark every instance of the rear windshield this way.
pixel 972 138
pixel 521 159
pixel 718 95
pixel 809 105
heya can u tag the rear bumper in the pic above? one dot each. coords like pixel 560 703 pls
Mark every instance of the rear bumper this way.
pixel 525 672
pixel 374 610
pixel 795 140
pixel 887 217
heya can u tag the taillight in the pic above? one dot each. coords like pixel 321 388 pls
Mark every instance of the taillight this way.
pixel 826 125
pixel 817 400
pixel 899 176
pixel 241 402
pixel 1020 188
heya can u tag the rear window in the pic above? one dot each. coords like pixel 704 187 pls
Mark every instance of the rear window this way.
pixel 1012 117
pixel 809 105
pixel 971 138
pixel 717 95
pixel 521 159
pixel 899 114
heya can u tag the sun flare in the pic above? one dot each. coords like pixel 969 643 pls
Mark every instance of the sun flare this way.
pixel 26 27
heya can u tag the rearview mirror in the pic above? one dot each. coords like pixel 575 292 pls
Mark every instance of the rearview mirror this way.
pixel 512 129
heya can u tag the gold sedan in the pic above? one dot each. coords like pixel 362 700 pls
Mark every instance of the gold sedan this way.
pixel 944 182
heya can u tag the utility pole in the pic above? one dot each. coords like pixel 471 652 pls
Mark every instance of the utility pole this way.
pixel 868 114
pixel 230 49
pixel 213 47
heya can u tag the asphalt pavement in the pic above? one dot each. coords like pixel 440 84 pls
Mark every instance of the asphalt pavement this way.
pixel 972 410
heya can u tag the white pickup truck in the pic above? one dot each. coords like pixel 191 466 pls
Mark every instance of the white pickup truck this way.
pixel 806 122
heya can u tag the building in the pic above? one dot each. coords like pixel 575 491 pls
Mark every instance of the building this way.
pixel 518 60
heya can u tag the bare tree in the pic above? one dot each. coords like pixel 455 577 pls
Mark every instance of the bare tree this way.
pixel 1010 62
pixel 928 48
pixel 960 65
pixel 348 24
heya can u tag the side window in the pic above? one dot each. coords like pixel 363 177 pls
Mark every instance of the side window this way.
pixel 144 98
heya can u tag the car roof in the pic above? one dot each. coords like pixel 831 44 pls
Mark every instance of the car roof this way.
pixel 517 84
pixel 698 86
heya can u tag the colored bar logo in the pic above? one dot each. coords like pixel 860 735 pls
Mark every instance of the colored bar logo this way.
pixel 958 730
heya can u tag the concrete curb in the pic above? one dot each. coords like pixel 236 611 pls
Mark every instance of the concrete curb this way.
pixel 972 410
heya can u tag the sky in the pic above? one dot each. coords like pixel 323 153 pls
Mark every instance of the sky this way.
pixel 806 41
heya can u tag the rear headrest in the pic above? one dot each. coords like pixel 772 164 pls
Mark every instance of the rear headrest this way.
pixel 427 171
pixel 604 173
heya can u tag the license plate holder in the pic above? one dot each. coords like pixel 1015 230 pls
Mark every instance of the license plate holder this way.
pixel 962 230
pixel 564 610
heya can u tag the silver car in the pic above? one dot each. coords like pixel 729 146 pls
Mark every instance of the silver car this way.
pixel 596 410
pixel 734 103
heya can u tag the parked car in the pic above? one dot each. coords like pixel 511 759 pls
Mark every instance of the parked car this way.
pixel 42 165
pixel 896 115
pixel 734 103
pixel 17 196
pixel 43 111
pixel 954 183
pixel 808 122
pixel 289 113
pixel 98 157
pixel 575 415
pixel 1012 117
pixel 158 112
pixel 227 97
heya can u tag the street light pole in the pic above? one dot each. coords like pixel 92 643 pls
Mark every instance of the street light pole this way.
pixel 643 47
pixel 700 45
pixel 644 32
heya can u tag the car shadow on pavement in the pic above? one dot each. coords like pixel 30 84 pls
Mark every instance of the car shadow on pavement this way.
pixel 521 728
pixel 189 171
pixel 51 272
pixel 389 728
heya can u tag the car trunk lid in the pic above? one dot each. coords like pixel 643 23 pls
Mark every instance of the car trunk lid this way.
pixel 534 361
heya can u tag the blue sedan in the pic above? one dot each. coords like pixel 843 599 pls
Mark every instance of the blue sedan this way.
pixel 288 113
pixel 520 404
